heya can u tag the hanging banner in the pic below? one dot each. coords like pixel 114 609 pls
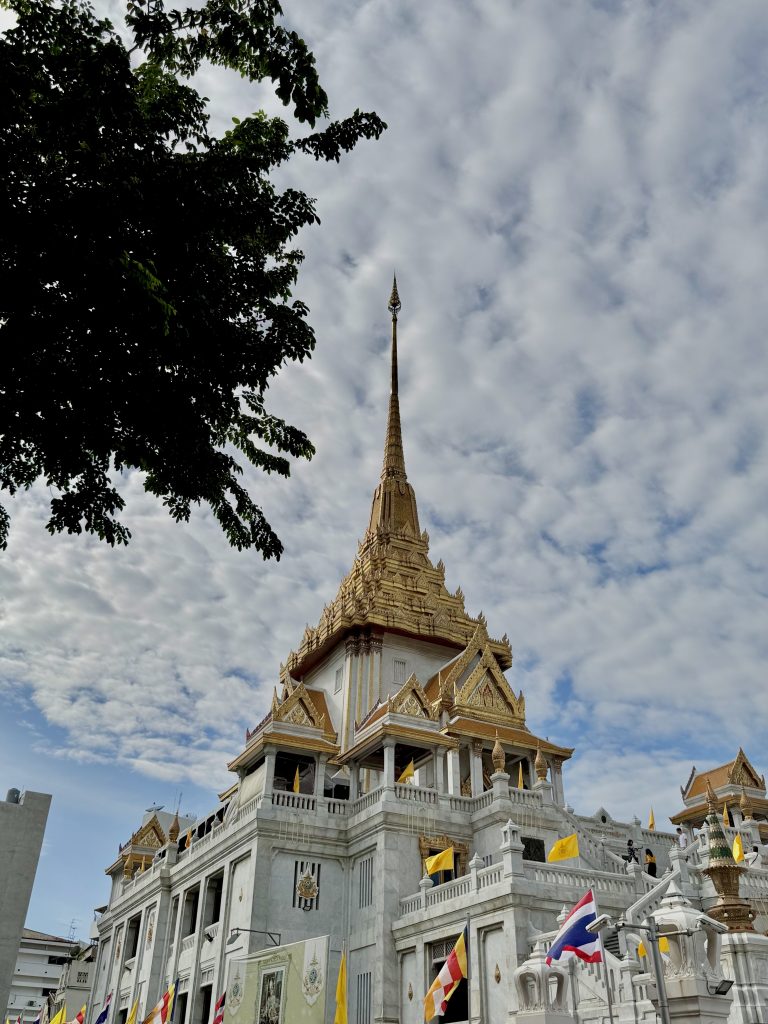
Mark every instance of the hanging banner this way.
pixel 281 985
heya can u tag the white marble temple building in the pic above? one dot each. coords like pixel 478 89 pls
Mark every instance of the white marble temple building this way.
pixel 317 836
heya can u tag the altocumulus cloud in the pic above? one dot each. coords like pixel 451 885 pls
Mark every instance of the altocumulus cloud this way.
pixel 574 199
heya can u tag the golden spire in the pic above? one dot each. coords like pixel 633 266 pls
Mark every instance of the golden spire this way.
pixel 394 461
pixel 394 503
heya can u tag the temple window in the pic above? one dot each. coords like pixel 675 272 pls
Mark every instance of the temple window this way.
pixel 400 670
pixel 339 680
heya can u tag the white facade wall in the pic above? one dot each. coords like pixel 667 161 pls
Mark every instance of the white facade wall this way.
pixel 22 826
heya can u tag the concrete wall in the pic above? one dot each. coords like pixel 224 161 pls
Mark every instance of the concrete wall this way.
pixel 22 826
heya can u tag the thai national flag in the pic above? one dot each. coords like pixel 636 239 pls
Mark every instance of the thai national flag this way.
pixel 218 1010
pixel 573 939
pixel 102 1018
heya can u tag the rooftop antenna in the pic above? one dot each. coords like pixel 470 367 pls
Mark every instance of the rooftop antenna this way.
pixel 72 930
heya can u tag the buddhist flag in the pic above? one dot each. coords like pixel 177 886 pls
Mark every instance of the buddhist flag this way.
pixel 651 821
pixel 663 946
pixel 407 773
pixel 447 981
pixel 296 782
pixel 738 848
pixel 565 849
pixel 162 1011
pixel 442 861
pixel 132 1015
pixel 79 1018
pixel 520 775
pixel 340 1017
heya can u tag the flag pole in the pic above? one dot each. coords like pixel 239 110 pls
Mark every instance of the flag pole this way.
pixel 469 977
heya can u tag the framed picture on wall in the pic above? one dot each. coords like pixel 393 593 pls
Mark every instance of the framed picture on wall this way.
pixel 271 1001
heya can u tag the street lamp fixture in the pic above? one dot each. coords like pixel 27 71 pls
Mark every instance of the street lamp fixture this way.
pixel 603 922
pixel 274 937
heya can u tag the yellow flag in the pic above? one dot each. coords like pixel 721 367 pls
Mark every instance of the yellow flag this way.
pixel 726 823
pixel 187 844
pixel 565 848
pixel 520 775
pixel 663 946
pixel 296 782
pixel 340 1017
pixel 651 821
pixel 132 1015
pixel 60 1017
pixel 738 848
pixel 407 773
pixel 442 861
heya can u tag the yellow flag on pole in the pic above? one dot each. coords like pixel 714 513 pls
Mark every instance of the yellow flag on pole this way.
pixel 565 848
pixel 651 821
pixel 407 773
pixel 520 775
pixel 60 1017
pixel 340 1017
pixel 442 861
pixel 738 848
pixel 296 783
pixel 132 1015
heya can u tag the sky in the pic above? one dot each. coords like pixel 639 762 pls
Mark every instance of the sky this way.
pixel 573 196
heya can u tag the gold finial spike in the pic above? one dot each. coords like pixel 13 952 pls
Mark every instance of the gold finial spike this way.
pixel 745 804
pixel 497 755
pixel 540 764
pixel 711 798
pixel 394 304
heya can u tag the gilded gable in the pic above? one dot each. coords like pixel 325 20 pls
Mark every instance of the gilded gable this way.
pixel 411 700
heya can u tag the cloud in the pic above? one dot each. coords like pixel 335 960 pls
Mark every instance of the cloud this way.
pixel 574 201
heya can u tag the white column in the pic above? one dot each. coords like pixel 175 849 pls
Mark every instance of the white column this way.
pixel 269 774
pixel 454 772
pixel 440 769
pixel 476 767
pixel 320 775
pixel 389 763
pixel 354 780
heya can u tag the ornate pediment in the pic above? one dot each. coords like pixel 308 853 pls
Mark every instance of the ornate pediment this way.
pixel 475 684
pixel 743 774
pixel 298 709
pixel 411 700
pixel 150 835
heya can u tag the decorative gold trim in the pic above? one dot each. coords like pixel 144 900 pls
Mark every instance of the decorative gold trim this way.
pixel 411 700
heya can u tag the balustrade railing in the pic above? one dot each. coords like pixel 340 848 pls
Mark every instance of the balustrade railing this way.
pixel 365 801
pixel 299 801
pixel 415 794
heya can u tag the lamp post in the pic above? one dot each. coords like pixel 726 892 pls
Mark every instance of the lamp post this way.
pixel 274 937
pixel 604 921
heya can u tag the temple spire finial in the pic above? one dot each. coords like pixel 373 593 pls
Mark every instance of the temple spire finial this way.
pixel 394 503
pixel 394 304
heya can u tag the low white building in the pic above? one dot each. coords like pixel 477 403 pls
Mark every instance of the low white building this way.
pixel 317 835
pixel 40 961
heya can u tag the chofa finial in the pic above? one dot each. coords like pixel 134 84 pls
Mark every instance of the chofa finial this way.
pixel 394 299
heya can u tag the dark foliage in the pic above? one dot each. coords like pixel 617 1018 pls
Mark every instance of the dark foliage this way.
pixel 147 267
